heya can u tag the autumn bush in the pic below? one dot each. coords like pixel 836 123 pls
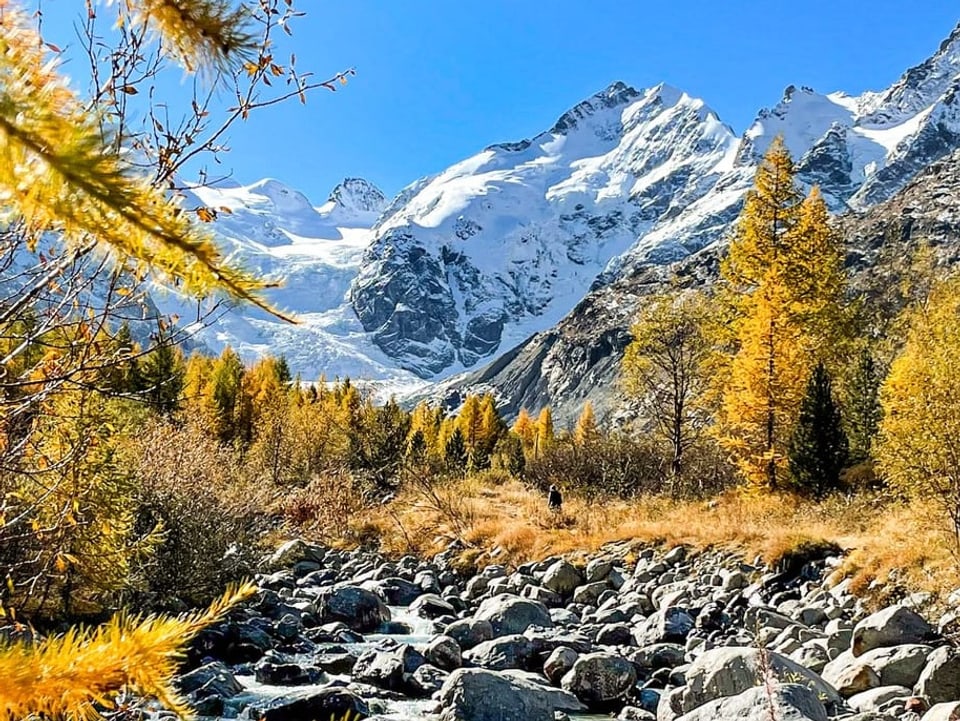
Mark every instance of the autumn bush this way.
pixel 212 524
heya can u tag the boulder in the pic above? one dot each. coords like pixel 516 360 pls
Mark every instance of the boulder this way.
pixel 562 578
pixel 480 695
pixel 948 711
pixel 670 625
pixel 397 591
pixel 614 634
pixel 892 626
pixel 558 663
pixel 360 609
pixel 513 651
pixel 430 605
pixel 729 671
pixel 325 703
pixel 786 702
pixel 510 614
pixel 469 632
pixel 292 552
pixel 443 652
pixel 275 673
pixel 875 698
pixel 659 655
pixel 598 569
pixel 898 665
pixel 215 678
pixel 589 593
pixel 939 681
pixel 600 680
pixel 389 668
pixel 851 678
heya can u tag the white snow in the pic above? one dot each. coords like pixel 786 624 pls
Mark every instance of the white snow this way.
pixel 625 177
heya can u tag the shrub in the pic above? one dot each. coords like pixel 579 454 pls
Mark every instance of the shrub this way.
pixel 212 523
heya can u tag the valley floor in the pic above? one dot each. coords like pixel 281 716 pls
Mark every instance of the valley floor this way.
pixel 890 549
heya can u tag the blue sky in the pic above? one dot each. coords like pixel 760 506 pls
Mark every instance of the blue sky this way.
pixel 437 80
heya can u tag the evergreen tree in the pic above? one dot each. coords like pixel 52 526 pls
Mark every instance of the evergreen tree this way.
pixel 818 448
pixel 455 453
pixel 162 378
pixel 225 395
pixel 509 455
pixel 862 408
pixel 417 448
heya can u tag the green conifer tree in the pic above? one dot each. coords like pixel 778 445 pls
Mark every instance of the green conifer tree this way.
pixel 818 450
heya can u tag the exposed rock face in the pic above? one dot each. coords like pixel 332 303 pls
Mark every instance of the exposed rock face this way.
pixel 505 242
pixel 579 359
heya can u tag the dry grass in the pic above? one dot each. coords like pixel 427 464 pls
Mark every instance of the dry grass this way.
pixel 891 548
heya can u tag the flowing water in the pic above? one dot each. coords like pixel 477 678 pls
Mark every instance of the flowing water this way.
pixel 419 632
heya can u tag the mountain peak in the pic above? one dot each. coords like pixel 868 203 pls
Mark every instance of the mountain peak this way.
pixel 616 94
pixel 919 87
pixel 358 194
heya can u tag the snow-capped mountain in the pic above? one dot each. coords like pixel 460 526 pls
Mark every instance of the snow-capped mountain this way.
pixel 316 252
pixel 467 263
pixel 860 150
pixel 506 242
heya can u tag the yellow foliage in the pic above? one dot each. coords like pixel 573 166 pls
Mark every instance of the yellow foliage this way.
pixel 785 282
pixel 208 33
pixel 586 430
pixel 68 676
pixel 919 445
pixel 58 172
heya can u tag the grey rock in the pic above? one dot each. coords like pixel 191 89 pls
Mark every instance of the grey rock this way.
pixel 874 699
pixel 389 668
pixel 317 704
pixel 397 591
pixel 443 652
pixel 892 626
pixel 670 625
pixel 597 570
pixel 615 634
pixel 214 677
pixel 730 671
pixel 659 655
pixel 427 680
pixel 360 609
pixel 480 695
pixel 513 651
pixel 430 605
pixel 558 663
pixel 469 632
pixel 291 552
pixel 790 702
pixel 562 578
pixel 600 679
pixel 939 681
pixel 589 593
pixel 511 614
pixel 947 711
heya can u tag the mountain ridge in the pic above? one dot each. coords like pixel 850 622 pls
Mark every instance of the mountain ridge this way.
pixel 468 263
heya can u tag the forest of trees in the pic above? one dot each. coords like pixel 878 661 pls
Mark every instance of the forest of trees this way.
pixel 783 368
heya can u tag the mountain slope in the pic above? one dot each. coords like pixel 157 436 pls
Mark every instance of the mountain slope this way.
pixel 506 242
pixel 316 252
